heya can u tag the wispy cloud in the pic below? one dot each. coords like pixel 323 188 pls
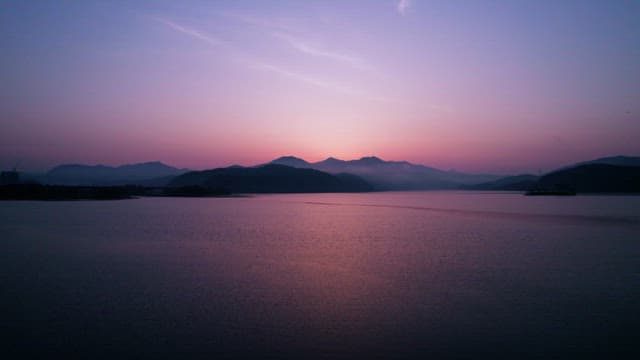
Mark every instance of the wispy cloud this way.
pixel 304 78
pixel 285 33
pixel 297 44
pixel 403 6
pixel 190 31
pixel 313 50
pixel 260 21
pixel 340 88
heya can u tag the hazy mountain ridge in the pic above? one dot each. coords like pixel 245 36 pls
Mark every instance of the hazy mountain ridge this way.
pixel 370 173
pixel 153 173
pixel 521 182
pixel 391 175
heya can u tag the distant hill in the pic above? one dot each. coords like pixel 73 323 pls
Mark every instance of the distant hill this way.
pixel 508 183
pixel 367 173
pixel 608 174
pixel 271 178
pixel 292 161
pixel 148 174
pixel 592 178
pixel 391 175
pixel 614 160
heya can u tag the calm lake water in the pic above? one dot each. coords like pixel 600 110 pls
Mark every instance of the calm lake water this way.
pixel 388 275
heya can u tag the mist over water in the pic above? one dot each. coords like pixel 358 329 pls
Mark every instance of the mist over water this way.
pixel 448 274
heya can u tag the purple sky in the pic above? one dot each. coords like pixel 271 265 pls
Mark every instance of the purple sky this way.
pixel 490 86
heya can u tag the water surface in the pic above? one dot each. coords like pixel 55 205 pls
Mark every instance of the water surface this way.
pixel 403 275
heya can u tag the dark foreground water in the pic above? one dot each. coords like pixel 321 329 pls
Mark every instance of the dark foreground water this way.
pixel 384 275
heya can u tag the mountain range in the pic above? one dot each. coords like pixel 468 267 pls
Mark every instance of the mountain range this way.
pixel 610 160
pixel 593 178
pixel 566 175
pixel 391 175
pixel 508 183
pixel 148 174
pixel 293 174
pixel 271 178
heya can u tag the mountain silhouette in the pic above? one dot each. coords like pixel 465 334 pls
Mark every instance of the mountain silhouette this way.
pixel 607 174
pixel 330 161
pixel 291 161
pixel 364 174
pixel 149 174
pixel 593 178
pixel 612 160
pixel 391 175
pixel 271 178
pixel 522 182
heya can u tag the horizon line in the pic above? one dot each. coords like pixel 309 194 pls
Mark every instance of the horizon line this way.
pixel 315 162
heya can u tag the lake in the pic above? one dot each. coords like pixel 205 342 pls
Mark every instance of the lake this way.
pixel 386 275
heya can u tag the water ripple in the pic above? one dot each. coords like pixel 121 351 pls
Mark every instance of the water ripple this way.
pixel 558 218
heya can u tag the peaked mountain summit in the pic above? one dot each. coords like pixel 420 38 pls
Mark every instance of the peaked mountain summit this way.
pixel 291 161
pixel 391 175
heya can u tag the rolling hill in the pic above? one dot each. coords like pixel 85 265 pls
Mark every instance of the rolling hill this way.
pixel 271 178
pixel 594 178
pixel 148 174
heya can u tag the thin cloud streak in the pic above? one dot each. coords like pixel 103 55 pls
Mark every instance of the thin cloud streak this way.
pixel 403 6
pixel 304 78
pixel 321 83
pixel 283 33
pixel 312 50
pixel 258 21
pixel 212 41
pixel 341 88
pixel 190 31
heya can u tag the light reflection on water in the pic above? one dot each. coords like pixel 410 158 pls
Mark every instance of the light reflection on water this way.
pixel 325 275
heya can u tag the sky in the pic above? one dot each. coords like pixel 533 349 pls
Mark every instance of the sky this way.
pixel 480 86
